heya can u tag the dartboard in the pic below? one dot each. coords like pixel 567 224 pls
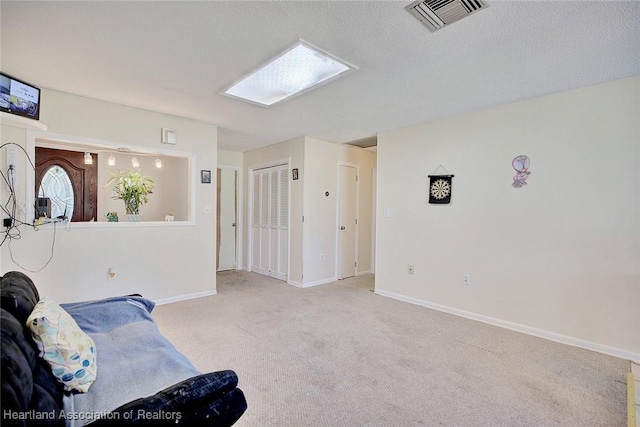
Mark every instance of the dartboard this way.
pixel 440 189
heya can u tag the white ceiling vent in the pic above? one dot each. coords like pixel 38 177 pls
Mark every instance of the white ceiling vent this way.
pixel 436 14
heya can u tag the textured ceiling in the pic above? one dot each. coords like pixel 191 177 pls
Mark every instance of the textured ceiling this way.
pixel 175 57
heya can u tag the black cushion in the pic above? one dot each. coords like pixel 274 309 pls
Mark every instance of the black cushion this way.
pixel 18 295
pixel 206 399
pixel 27 384
pixel 18 362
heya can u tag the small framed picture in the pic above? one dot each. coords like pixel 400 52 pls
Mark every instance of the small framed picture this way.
pixel 205 177
pixel 294 173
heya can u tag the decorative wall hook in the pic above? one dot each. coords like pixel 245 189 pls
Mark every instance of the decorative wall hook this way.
pixel 521 165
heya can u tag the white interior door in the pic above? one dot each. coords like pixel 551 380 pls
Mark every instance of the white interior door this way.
pixel 270 222
pixel 347 221
pixel 227 219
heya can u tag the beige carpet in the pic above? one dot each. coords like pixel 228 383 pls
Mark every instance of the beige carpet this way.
pixel 339 355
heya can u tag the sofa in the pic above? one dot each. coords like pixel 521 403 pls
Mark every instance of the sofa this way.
pixel 129 374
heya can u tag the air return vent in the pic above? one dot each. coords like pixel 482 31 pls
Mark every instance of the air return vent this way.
pixel 436 14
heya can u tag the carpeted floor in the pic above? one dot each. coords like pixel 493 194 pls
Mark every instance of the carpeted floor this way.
pixel 339 355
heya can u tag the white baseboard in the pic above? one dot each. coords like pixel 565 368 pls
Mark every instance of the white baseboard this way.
pixel 310 284
pixel 362 273
pixel 184 297
pixel 541 333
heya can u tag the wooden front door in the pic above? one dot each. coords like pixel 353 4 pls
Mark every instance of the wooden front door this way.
pixel 70 184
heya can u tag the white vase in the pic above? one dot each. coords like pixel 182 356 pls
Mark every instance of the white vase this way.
pixel 133 218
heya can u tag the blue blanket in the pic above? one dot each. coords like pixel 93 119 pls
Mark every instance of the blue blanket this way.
pixel 101 316
pixel 133 358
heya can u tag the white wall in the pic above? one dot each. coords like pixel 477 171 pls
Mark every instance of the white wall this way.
pixel 172 188
pixel 560 256
pixel 230 158
pixel 161 262
pixel 321 166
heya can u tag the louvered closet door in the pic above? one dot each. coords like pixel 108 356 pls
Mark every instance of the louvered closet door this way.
pixel 270 224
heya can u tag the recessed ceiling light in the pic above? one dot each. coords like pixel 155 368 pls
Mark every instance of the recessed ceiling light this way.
pixel 293 72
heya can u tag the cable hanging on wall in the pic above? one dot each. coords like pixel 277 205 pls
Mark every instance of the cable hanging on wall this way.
pixel 10 208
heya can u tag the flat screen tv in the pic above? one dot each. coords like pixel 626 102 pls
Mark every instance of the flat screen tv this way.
pixel 20 98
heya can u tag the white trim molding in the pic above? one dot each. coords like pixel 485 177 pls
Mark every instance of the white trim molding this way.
pixel 540 333
pixel 310 284
pixel 184 297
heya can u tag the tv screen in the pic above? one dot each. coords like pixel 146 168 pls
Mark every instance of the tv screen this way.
pixel 19 98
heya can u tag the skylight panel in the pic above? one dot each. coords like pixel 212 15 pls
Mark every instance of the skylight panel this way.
pixel 291 73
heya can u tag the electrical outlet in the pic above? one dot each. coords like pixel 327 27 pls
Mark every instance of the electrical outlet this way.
pixel 410 269
pixel 321 257
pixel 466 279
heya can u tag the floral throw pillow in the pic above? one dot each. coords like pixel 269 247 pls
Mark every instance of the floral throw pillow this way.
pixel 70 352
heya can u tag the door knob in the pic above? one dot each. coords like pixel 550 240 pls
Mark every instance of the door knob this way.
pixel 233 225
pixel 342 227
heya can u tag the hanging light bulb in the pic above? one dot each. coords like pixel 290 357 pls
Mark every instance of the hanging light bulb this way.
pixel 111 161
pixel 134 162
pixel 158 163
pixel 87 158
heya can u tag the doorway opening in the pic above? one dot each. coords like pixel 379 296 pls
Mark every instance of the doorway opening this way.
pixel 227 219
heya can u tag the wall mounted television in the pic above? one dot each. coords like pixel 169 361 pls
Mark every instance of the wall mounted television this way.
pixel 18 97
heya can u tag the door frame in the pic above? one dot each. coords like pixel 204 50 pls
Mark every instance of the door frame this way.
pixel 374 212
pixel 239 214
pixel 250 171
pixel 339 193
